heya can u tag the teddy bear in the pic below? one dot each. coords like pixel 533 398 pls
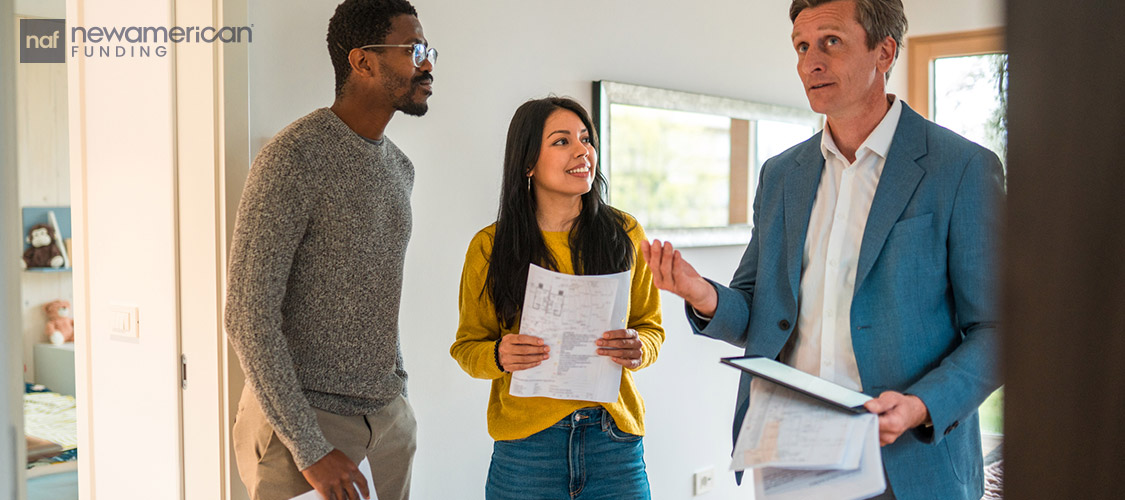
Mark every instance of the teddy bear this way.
pixel 43 252
pixel 60 326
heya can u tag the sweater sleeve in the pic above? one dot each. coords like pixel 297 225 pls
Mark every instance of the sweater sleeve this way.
pixel 644 303
pixel 272 218
pixel 478 328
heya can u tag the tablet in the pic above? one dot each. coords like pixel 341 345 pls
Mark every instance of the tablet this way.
pixel 811 385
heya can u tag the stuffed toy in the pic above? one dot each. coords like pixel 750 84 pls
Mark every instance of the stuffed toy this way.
pixel 43 252
pixel 60 326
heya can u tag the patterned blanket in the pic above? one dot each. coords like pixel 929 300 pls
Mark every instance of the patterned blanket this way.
pixel 51 416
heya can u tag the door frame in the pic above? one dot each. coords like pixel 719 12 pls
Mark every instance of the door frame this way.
pixel 12 481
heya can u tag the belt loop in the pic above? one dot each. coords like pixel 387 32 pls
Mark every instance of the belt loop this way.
pixel 605 420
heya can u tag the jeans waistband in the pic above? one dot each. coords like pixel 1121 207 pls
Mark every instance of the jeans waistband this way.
pixel 585 417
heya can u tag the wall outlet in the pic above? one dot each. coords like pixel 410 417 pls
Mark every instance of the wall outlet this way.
pixel 704 480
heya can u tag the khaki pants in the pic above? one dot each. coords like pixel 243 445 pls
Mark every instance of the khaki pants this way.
pixel 386 438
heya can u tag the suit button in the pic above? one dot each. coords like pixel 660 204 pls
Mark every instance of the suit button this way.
pixel 783 324
pixel 951 427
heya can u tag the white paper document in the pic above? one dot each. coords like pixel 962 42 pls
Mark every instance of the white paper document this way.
pixel 800 448
pixel 364 468
pixel 570 313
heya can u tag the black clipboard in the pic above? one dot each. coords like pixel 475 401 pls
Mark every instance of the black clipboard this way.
pixel 809 385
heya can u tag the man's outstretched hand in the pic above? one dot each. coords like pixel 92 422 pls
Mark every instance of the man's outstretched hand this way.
pixel 672 273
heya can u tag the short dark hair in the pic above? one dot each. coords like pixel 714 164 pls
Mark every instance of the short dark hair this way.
pixel 357 23
pixel 879 18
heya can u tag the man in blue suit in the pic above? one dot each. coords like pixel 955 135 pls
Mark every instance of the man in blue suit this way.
pixel 871 262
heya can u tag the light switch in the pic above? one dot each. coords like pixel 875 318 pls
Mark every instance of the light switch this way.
pixel 124 320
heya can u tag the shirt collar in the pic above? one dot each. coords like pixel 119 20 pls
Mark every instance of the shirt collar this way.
pixel 878 142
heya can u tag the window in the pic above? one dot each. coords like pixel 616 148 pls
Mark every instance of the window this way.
pixel 961 81
pixel 686 165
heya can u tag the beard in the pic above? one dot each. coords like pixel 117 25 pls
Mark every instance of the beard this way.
pixel 412 108
pixel 404 90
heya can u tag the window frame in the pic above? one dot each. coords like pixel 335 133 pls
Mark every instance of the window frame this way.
pixel 923 50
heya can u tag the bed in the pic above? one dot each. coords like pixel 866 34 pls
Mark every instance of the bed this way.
pixel 51 429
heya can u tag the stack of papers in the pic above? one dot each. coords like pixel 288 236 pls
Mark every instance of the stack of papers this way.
pixel 800 448
pixel 570 313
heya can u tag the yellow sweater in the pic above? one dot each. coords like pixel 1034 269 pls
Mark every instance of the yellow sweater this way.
pixel 511 417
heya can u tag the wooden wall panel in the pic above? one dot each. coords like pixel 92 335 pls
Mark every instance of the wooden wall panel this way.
pixel 43 163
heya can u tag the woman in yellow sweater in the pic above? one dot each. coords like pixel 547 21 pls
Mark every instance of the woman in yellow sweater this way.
pixel 552 214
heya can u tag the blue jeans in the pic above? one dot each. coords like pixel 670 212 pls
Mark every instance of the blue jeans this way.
pixel 582 457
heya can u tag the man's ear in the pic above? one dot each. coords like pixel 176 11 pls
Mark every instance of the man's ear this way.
pixel 363 63
pixel 886 54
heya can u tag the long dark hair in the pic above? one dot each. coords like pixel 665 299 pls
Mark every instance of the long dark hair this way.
pixel 599 240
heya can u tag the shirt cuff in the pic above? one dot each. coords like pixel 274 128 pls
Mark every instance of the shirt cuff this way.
pixel 700 316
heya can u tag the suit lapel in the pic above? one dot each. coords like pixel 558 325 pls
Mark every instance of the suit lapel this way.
pixel 901 175
pixel 801 183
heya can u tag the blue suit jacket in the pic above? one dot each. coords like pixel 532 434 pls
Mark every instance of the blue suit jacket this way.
pixel 923 318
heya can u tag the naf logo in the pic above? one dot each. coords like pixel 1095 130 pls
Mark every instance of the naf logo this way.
pixel 42 40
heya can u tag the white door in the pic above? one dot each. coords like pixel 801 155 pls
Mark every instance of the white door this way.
pixel 124 192
pixel 147 194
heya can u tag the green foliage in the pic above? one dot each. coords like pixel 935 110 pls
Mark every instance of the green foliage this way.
pixel 669 169
pixel 992 413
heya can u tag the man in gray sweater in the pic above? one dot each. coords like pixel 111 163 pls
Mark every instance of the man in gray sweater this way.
pixel 316 270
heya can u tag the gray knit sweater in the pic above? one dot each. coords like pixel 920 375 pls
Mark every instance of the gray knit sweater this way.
pixel 316 275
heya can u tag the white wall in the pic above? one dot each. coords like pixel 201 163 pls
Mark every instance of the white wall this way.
pixel 494 56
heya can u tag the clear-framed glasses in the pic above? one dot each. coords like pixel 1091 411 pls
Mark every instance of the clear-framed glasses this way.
pixel 420 54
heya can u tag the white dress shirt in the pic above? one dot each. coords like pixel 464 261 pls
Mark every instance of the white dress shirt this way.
pixel 822 345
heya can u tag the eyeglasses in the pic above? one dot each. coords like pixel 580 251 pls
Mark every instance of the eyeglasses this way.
pixel 421 52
